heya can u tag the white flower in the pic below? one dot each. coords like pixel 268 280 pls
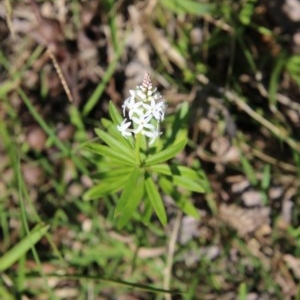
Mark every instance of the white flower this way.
pixel 157 110
pixel 133 107
pixel 124 128
pixel 142 122
pixel 145 108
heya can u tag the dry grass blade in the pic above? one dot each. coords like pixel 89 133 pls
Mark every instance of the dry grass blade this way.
pixel 165 49
pixel 279 132
pixel 60 75
pixel 9 14
pixel 171 252
pixel 267 158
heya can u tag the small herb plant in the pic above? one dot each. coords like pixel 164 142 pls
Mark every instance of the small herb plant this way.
pixel 136 158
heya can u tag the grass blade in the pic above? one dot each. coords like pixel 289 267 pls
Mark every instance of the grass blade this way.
pixel 15 253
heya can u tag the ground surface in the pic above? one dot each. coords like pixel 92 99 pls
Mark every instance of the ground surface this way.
pixel 236 64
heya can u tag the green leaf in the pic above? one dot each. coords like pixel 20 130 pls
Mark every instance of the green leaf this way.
pixel 275 77
pixel 105 188
pixel 115 143
pixel 6 87
pixel 6 293
pixel 128 190
pixel 131 207
pixel 267 176
pixel 186 6
pixel 181 200
pixel 148 210
pixel 15 253
pixel 191 173
pixel 130 198
pixel 189 184
pixel 173 170
pixel 183 112
pixel 114 113
pixel 111 128
pixel 113 173
pixel 247 12
pixel 113 154
pixel 155 199
pixel 183 176
pixel 166 154
pixel 249 170
pixel 293 67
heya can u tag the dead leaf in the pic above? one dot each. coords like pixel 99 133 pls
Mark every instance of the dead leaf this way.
pixel 245 221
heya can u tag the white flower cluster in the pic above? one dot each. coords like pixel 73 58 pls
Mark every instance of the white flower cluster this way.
pixel 143 111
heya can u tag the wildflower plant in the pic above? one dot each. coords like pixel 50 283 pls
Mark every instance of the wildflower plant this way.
pixel 138 161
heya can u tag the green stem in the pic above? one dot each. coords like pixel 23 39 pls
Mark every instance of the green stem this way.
pixel 137 149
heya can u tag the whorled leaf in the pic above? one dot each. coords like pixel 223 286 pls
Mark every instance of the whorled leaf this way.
pixel 131 196
pixel 115 143
pixel 166 154
pixel 182 201
pixel 113 154
pixel 155 199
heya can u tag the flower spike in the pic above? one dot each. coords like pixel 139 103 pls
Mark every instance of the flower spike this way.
pixel 143 111
pixel 147 83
